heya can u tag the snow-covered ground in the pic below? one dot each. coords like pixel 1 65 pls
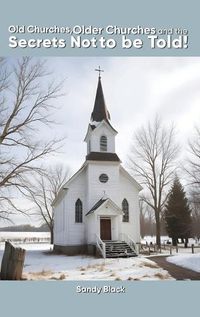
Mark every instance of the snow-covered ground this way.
pixel 152 239
pixel 40 264
pixel 165 239
pixel 189 261
pixel 19 237
pixel 168 249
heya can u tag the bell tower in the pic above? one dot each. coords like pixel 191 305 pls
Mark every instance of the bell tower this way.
pixel 100 137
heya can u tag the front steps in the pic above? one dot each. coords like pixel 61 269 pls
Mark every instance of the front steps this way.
pixel 119 249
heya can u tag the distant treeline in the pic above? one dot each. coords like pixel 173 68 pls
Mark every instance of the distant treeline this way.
pixel 26 228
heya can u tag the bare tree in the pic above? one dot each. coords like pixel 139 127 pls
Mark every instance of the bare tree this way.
pixel 193 166
pixel 43 190
pixel 192 169
pixel 147 221
pixel 152 160
pixel 26 104
pixel 195 215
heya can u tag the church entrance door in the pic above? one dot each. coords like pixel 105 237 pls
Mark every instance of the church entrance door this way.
pixel 105 228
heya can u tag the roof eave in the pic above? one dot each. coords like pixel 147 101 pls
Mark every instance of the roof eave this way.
pixel 109 126
pixel 108 200
pixel 89 130
pixel 132 179
pixel 61 193
pixel 64 187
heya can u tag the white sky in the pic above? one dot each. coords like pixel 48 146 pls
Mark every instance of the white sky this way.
pixel 135 90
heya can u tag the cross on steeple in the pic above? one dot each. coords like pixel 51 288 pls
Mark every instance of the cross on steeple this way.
pixel 99 70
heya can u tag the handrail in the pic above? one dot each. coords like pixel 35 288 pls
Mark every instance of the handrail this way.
pixel 126 238
pixel 101 246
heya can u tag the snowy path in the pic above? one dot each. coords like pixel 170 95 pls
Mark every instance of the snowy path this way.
pixel 178 272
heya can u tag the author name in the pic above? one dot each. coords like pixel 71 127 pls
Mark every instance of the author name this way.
pixel 106 289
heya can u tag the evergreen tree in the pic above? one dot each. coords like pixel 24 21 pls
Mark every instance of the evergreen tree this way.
pixel 177 214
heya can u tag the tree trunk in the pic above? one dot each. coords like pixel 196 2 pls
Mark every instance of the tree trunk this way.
pixel 51 236
pixel 157 216
pixel 174 241
pixel 186 242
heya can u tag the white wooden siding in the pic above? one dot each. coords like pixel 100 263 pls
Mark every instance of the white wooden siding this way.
pixel 89 189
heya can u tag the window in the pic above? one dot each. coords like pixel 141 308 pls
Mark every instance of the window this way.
pixel 103 143
pixel 125 209
pixel 103 178
pixel 79 211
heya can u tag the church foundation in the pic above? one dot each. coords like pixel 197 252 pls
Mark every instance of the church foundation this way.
pixel 89 249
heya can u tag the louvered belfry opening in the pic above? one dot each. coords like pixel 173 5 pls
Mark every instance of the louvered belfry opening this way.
pixel 103 143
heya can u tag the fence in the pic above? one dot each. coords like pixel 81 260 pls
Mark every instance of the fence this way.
pixel 27 240
pixel 150 249
pixel 12 262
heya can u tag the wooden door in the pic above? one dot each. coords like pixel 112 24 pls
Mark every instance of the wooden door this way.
pixel 105 229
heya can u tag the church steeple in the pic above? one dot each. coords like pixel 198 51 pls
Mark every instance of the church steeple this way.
pixel 100 111
pixel 100 136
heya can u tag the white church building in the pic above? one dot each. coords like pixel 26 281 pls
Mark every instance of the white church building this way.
pixel 97 210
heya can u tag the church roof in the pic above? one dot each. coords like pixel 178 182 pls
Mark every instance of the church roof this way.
pixel 100 111
pixel 101 202
pixel 132 180
pixel 102 156
pixel 96 206
pixel 92 127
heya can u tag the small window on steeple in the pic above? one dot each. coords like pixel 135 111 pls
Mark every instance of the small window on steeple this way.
pixel 103 143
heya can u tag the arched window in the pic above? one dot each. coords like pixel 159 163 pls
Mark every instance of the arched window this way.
pixel 103 143
pixel 125 209
pixel 78 211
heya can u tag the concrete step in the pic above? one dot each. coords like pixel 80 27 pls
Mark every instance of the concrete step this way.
pixel 120 254
pixel 118 249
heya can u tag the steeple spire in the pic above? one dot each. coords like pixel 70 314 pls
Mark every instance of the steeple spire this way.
pixel 100 111
pixel 99 70
pixel 100 136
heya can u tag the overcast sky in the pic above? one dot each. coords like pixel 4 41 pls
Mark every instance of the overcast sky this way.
pixel 135 90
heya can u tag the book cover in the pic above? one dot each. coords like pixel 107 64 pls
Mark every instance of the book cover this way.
pixel 99 152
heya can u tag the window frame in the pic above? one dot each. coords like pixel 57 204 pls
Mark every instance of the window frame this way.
pixel 78 211
pixel 103 178
pixel 103 143
pixel 125 209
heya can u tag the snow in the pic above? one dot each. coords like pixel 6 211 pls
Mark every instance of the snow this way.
pixel 152 239
pixel 189 261
pixel 165 239
pixel 28 237
pixel 22 235
pixel 42 264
